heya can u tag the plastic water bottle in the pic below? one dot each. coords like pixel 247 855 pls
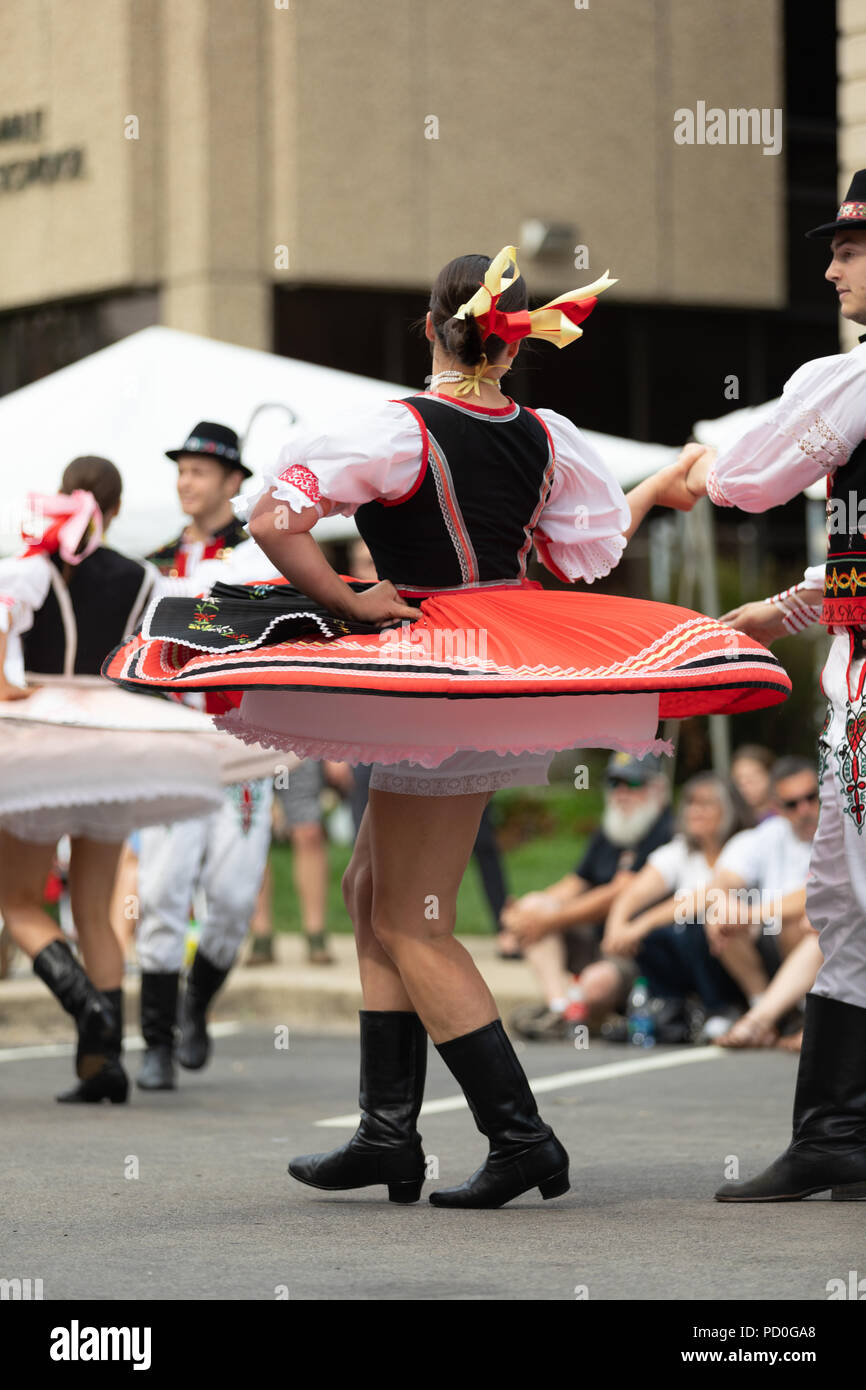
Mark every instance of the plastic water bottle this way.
pixel 641 1021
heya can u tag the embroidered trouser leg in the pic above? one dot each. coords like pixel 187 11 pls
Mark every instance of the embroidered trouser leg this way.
pixel 169 868
pixel 238 841
pixel 836 890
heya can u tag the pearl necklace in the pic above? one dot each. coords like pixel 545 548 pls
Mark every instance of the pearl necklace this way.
pixel 472 380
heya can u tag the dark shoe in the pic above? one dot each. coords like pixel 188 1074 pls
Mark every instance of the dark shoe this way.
pixel 202 983
pixel 317 949
pixel 109 1081
pixel 261 951
pixel 524 1151
pixel 542 1025
pixel 828 1144
pixel 386 1147
pixel 158 1016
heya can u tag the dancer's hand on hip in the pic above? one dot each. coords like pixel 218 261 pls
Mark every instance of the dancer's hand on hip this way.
pixel 381 604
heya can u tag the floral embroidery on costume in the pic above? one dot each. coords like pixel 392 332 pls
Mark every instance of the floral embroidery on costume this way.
pixel 851 764
pixel 303 479
pixel 247 797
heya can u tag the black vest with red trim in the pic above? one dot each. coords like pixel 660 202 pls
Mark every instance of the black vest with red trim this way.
pixel 171 559
pixel 484 480
pixel 105 592
pixel 845 573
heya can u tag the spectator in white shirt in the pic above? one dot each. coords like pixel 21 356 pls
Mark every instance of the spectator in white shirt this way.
pixel 759 884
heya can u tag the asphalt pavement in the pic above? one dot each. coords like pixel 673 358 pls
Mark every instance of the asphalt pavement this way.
pixel 185 1195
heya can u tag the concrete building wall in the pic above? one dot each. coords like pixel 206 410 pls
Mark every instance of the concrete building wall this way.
pixel 291 142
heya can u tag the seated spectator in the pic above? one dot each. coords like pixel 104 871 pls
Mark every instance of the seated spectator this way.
pixel 759 883
pixel 750 773
pixel 648 934
pixel 559 928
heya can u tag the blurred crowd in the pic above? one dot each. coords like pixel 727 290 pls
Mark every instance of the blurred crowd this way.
pixel 700 912
pixel 699 917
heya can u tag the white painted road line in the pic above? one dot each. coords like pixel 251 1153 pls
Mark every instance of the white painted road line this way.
pixel 133 1043
pixel 585 1076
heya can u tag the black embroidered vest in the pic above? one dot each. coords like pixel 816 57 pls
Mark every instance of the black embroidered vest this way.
pixel 219 547
pixel 469 518
pixel 845 575
pixel 104 593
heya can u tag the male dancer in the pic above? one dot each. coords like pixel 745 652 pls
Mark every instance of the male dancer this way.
pixel 819 429
pixel 225 854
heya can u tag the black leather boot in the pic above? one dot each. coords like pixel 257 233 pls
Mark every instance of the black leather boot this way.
pixel 524 1151
pixel 202 983
pixel 828 1144
pixel 158 1015
pixel 95 1013
pixel 109 1081
pixel 386 1147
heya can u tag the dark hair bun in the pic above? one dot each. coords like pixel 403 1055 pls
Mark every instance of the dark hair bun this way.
pixel 462 338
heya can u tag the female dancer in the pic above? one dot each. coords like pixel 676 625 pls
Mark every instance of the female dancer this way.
pixel 490 678
pixel 80 759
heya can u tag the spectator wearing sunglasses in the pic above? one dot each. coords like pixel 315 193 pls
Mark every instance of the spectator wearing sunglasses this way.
pixel 750 937
pixel 560 928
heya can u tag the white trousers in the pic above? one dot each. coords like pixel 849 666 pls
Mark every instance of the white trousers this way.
pixel 225 854
pixel 836 888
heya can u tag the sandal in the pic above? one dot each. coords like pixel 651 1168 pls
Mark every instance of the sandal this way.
pixel 791 1043
pixel 749 1031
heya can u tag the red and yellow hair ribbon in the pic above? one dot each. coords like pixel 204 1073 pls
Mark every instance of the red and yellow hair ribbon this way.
pixel 556 322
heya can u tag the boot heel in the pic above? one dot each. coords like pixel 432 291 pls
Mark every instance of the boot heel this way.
pixel 405 1192
pixel 555 1186
pixel 850 1192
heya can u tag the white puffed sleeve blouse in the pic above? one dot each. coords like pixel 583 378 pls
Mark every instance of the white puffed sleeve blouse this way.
pixel 815 427
pixel 378 454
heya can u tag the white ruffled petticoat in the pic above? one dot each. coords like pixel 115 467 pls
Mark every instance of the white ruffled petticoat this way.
pixel 81 758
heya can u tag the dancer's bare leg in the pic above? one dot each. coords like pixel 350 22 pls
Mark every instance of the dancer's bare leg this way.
pixel 92 871
pixel 420 847
pixel 124 899
pixel 381 986
pixel 24 867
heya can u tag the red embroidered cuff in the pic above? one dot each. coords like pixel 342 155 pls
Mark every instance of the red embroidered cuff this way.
pixel 303 479
pixel 714 490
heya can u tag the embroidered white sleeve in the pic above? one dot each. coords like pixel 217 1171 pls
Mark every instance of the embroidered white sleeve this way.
pixel 24 585
pixel 813 429
pixel 580 534
pixel 358 458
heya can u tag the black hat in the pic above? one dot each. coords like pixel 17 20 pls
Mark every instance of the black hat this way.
pixel 852 213
pixel 216 442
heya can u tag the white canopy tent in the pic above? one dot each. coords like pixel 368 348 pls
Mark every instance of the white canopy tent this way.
pixel 132 401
